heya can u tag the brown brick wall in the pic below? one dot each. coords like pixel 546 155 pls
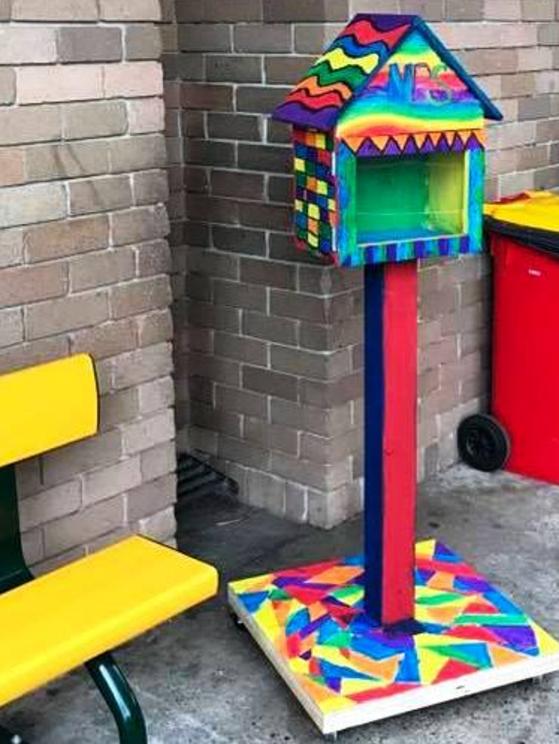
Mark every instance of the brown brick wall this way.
pixel 268 342
pixel 84 264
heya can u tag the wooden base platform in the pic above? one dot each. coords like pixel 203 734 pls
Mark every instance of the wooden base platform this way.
pixel 310 623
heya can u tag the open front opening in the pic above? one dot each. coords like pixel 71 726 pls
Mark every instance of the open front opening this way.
pixel 405 198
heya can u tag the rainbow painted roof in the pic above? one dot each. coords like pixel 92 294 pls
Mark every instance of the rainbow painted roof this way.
pixel 352 61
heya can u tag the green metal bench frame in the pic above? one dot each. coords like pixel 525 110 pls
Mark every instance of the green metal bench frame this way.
pixel 103 669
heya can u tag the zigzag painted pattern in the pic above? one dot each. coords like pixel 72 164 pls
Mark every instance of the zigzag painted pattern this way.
pixel 362 47
pixel 416 144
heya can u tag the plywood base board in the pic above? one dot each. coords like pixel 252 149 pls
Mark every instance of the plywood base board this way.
pixel 345 671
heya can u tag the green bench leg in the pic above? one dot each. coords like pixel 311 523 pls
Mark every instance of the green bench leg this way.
pixel 120 698
pixel 118 695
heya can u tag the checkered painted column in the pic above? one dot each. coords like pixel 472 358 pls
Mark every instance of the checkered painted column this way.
pixel 315 190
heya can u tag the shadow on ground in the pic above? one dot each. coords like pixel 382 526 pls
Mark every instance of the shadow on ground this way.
pixel 201 680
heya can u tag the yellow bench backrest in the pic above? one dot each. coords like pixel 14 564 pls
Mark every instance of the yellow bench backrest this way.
pixel 46 406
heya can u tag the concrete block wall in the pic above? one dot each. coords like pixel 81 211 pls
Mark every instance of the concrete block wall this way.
pixel 84 263
pixel 268 341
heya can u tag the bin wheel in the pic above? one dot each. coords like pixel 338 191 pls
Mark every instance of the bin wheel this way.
pixel 483 443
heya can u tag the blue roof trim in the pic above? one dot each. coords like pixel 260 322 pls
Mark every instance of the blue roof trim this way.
pixel 418 24
pixel 491 111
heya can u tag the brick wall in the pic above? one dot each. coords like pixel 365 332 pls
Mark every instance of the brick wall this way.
pixel 268 342
pixel 84 260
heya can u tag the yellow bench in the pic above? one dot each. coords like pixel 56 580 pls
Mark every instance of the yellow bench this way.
pixel 78 613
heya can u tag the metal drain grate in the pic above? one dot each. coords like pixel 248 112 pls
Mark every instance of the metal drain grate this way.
pixel 196 478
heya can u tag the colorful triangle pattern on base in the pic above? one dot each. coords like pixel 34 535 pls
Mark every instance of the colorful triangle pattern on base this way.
pixel 314 618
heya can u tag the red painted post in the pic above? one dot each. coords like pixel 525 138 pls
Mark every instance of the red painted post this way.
pixel 400 439
pixel 391 441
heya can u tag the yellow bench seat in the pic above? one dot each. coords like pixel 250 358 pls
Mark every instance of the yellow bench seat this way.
pixel 61 620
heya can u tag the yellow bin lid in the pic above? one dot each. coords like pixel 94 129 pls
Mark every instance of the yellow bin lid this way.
pixel 533 209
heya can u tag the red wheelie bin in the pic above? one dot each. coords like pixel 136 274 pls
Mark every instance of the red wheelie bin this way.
pixel 522 432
